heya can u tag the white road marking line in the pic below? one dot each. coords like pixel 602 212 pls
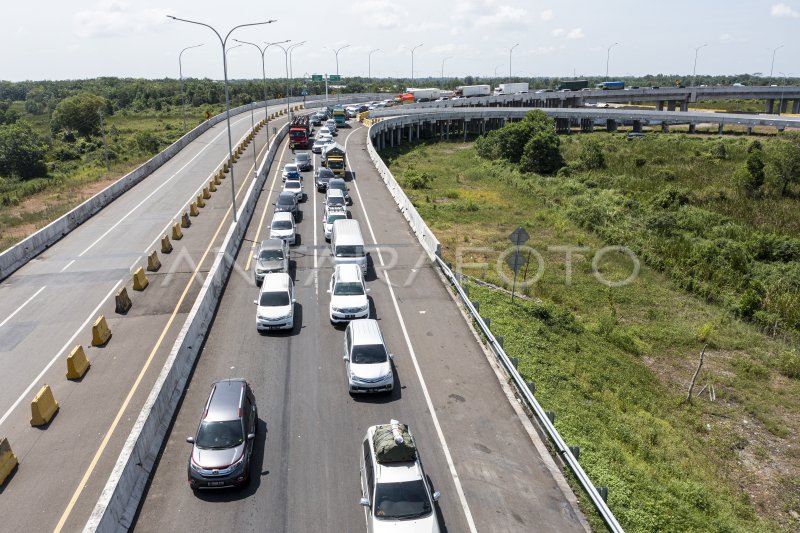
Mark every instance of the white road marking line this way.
pixel 434 417
pixel 18 309
pixel 60 352
pixel 67 266
pixel 146 198
pixel 316 214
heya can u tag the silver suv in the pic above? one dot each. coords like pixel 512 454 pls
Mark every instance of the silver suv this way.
pixel 272 256
pixel 223 444
pixel 367 363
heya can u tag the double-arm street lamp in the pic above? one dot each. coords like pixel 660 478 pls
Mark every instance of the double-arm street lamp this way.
pixel 336 54
pixel 180 76
pixel 223 42
pixel 286 51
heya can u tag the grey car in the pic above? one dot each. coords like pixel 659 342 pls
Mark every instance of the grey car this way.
pixel 303 161
pixel 287 201
pixel 223 444
pixel 272 256
pixel 339 183
pixel 322 177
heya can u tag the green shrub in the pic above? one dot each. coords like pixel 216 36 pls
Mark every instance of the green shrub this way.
pixel 788 364
pixel 541 154
pixel 591 156
pixel 147 142
pixel 671 198
pixel 640 162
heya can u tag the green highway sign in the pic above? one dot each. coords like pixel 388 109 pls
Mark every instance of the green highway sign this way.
pixel 316 77
pixel 334 77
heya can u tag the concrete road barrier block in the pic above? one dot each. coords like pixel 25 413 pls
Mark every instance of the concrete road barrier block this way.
pixel 185 223
pixel 166 246
pixel 206 193
pixel 212 185
pixel 140 280
pixel 122 302
pixel 100 331
pixel 77 363
pixel 218 178
pixel 153 263
pixel 226 167
pixel 193 211
pixel 8 461
pixel 200 202
pixel 43 407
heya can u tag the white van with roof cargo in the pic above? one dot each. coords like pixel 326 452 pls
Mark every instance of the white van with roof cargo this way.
pixel 347 244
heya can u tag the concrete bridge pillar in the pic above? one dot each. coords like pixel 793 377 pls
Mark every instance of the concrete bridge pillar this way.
pixel 637 126
pixel 659 105
pixel 447 130
pixel 796 107
pixel 749 130
pixel 587 125
pixel 671 105
pixel 719 131
pixel 692 127
pixel 664 127
pixel 611 125
pixel 685 106
pixel 562 125
pixel 783 106
pixel 768 105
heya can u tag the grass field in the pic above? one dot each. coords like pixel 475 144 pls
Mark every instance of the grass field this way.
pixel 76 169
pixel 615 363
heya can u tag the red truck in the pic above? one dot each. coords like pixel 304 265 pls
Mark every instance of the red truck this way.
pixel 299 132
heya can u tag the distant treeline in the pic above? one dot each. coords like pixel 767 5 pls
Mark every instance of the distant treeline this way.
pixel 136 94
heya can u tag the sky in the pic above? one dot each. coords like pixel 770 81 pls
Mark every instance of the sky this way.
pixel 134 38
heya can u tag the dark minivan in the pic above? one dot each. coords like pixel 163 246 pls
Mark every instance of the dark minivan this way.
pixel 223 444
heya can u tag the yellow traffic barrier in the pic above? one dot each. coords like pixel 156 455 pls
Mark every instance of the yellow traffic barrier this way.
pixel 140 280
pixel 221 174
pixel 226 167
pixel 206 193
pixel 100 331
pixel 122 302
pixel 200 202
pixel 193 210
pixel 43 407
pixel 8 461
pixel 212 185
pixel 166 246
pixel 77 363
pixel 153 264
pixel 185 223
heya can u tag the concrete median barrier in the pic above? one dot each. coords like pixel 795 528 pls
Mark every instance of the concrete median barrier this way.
pixel 8 461
pixel 218 178
pixel 77 363
pixel 206 193
pixel 43 407
pixel 153 263
pixel 212 185
pixel 122 302
pixel 166 246
pixel 193 211
pixel 185 222
pixel 100 331
pixel 200 201
pixel 140 281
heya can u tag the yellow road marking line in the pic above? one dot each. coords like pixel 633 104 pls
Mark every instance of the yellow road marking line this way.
pixel 112 428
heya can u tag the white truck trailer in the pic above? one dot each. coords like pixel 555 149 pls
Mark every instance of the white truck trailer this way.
pixel 511 88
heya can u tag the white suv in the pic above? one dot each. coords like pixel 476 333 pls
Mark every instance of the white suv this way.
pixel 395 492
pixel 348 294
pixel 275 302
pixel 367 363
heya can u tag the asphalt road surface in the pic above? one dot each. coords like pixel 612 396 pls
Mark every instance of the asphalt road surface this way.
pixel 305 468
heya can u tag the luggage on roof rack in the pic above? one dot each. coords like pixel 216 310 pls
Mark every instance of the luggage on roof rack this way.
pixel 393 443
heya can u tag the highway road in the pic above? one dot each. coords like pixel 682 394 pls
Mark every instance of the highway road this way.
pixel 477 449
pixel 48 306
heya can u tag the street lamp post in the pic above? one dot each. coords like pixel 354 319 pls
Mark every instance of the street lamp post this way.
pixel 443 60
pixel 509 60
pixel 286 62
pixel 694 68
pixel 336 54
pixel 412 63
pixel 369 63
pixel 772 66
pixel 608 57
pixel 223 42
pixel 180 76
pixel 495 70
pixel 264 79
pixel 291 73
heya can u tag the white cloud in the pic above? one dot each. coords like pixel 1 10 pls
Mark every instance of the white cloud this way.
pixel 575 33
pixel 112 17
pixel 558 32
pixel 547 14
pixel 423 27
pixel 782 10
pixel 503 18
pixel 378 14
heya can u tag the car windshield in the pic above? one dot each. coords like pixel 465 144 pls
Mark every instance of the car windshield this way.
pixel 348 288
pixel 337 216
pixel 273 255
pixel 301 157
pixel 220 435
pixel 349 251
pixel 404 500
pixel 367 354
pixel 282 224
pixel 335 201
pixel 274 299
pixel 336 163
